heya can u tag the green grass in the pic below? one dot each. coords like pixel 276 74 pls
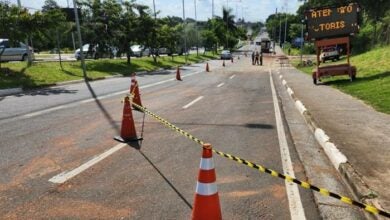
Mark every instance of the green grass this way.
pixel 372 84
pixel 17 74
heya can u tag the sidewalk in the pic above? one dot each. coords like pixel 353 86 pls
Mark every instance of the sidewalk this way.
pixel 357 130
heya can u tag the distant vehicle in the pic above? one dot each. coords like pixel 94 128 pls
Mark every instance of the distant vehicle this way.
pixel 265 45
pixel 139 51
pixel 14 51
pixel 226 55
pixel 95 52
pixel 297 42
pixel 329 53
pixel 163 50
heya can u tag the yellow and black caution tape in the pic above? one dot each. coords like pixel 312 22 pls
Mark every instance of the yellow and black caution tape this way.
pixel 168 124
pixel 324 192
pixel 369 208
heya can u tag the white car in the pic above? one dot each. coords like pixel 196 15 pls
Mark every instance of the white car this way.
pixel 226 55
pixel 13 52
pixel 91 51
pixel 139 51
pixel 329 53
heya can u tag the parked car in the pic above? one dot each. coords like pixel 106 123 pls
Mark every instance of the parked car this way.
pixel 226 55
pixel 14 51
pixel 95 52
pixel 163 50
pixel 139 51
pixel 329 53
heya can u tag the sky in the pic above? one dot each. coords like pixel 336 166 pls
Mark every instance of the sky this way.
pixel 250 10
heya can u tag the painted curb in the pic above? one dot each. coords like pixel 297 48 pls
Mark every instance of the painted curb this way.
pixel 354 181
pixel 13 91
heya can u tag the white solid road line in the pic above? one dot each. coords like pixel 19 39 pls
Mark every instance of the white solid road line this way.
pixel 65 176
pixel 41 112
pixel 294 199
pixel 232 76
pixel 193 102
pixel 220 85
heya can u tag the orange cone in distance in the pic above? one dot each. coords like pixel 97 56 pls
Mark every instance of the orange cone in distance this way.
pixel 134 91
pixel 178 74
pixel 206 203
pixel 207 67
pixel 128 132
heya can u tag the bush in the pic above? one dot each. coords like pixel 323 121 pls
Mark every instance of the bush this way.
pixel 308 48
pixel 363 40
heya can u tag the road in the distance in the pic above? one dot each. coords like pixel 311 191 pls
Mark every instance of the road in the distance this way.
pixel 235 114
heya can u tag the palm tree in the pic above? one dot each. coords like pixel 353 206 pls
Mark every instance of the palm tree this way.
pixel 228 18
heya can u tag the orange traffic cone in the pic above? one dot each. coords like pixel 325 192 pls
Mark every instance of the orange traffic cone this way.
pixel 231 59
pixel 206 203
pixel 128 132
pixel 178 74
pixel 134 91
pixel 223 64
pixel 207 67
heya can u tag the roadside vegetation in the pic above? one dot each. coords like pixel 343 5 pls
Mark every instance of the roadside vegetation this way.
pixel 19 74
pixel 372 83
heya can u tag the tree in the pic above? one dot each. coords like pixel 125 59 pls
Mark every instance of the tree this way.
pixel 210 40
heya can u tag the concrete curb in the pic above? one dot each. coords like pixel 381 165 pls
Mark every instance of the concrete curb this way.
pixel 5 92
pixel 353 179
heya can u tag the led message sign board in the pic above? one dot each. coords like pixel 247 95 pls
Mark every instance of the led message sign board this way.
pixel 332 21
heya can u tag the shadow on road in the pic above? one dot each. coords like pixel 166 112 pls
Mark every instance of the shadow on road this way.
pixel 166 180
pixel 101 107
pixel 47 91
pixel 249 125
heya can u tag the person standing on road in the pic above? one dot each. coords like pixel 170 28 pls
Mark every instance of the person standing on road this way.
pixel 257 57
pixel 253 57
pixel 261 58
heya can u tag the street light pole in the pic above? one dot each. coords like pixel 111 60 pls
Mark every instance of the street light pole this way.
pixel 285 29
pixel 301 40
pixel 185 36
pixel 26 42
pixel 197 34
pixel 76 15
pixel 154 10
pixel 212 9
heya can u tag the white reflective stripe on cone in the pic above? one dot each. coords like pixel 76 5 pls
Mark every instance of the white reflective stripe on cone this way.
pixel 206 189
pixel 206 163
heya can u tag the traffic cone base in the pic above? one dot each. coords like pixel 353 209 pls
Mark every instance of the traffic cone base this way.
pixel 128 132
pixel 206 202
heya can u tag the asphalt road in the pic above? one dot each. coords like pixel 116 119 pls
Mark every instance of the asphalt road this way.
pixel 54 130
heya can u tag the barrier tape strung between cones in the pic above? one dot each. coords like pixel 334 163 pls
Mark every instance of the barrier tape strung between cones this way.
pixel 369 208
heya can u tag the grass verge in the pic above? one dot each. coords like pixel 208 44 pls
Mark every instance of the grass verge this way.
pixel 17 74
pixel 372 84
